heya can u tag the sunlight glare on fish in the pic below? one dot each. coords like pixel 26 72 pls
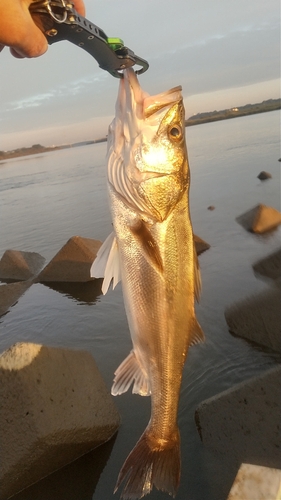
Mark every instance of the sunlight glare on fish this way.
pixel 155 156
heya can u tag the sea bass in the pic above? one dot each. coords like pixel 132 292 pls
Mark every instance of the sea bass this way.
pixel 152 251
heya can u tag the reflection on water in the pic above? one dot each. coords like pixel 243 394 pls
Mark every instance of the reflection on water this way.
pixel 86 293
pixel 63 193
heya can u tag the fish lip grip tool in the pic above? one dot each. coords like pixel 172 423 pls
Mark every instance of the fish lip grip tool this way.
pixel 58 20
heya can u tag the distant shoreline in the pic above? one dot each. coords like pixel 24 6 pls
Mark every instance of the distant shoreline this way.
pixel 225 114
pixel 198 119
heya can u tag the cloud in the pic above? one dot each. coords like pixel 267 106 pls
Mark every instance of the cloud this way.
pixel 207 47
pixel 74 88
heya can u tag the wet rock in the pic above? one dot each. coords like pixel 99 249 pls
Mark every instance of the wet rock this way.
pixel 256 482
pixel 211 207
pixel 72 262
pixel 19 266
pixel 244 421
pixel 200 245
pixel 10 294
pixel 258 319
pixel 270 266
pixel 54 408
pixel 260 219
pixel 264 175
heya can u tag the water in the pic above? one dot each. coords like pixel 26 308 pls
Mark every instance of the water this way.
pixel 48 198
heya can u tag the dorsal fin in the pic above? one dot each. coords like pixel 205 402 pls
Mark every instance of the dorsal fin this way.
pixel 197 275
pixel 148 244
pixel 197 334
pixel 106 264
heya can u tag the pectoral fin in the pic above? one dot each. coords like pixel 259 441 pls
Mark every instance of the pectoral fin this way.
pixel 148 244
pixel 106 264
pixel 128 372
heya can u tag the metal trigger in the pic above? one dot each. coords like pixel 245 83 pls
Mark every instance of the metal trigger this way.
pixel 57 18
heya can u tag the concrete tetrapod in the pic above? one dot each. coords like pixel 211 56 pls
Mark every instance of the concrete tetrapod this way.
pixel 260 219
pixel 72 262
pixel 20 266
pixel 10 294
pixel 244 421
pixel 257 318
pixel 256 482
pixel 54 407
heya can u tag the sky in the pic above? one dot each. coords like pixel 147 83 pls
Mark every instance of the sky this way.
pixel 223 54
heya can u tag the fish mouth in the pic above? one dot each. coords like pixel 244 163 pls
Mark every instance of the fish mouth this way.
pixel 144 104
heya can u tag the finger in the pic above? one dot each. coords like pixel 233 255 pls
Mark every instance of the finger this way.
pixel 36 48
pixel 28 40
pixel 16 54
pixel 80 7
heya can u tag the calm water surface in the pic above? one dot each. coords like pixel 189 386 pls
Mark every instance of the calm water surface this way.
pixel 46 199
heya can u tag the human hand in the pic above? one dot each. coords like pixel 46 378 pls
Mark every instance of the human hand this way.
pixel 18 30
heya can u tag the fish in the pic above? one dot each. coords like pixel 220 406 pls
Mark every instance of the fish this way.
pixel 151 251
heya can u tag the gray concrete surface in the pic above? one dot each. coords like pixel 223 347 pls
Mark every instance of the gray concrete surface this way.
pixel 254 482
pixel 19 266
pixel 54 408
pixel 243 423
pixel 72 262
pixel 257 318
pixel 260 219
pixel 10 294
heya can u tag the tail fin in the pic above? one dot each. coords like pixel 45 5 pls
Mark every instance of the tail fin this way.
pixel 149 464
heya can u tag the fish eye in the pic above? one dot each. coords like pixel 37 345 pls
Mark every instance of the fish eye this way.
pixel 175 132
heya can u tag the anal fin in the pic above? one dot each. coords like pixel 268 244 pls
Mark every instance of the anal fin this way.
pixel 130 371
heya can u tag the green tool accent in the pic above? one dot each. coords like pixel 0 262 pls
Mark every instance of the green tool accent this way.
pixel 115 43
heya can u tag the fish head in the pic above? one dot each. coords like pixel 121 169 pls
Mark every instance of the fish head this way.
pixel 148 140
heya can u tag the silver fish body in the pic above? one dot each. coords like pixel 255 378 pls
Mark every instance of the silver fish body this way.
pixel 152 251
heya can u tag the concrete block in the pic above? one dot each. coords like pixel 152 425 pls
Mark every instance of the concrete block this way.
pixel 10 294
pixel 254 482
pixel 19 266
pixel 260 219
pixel 54 408
pixel 270 266
pixel 72 262
pixel 244 421
pixel 263 175
pixel 258 318
pixel 200 245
